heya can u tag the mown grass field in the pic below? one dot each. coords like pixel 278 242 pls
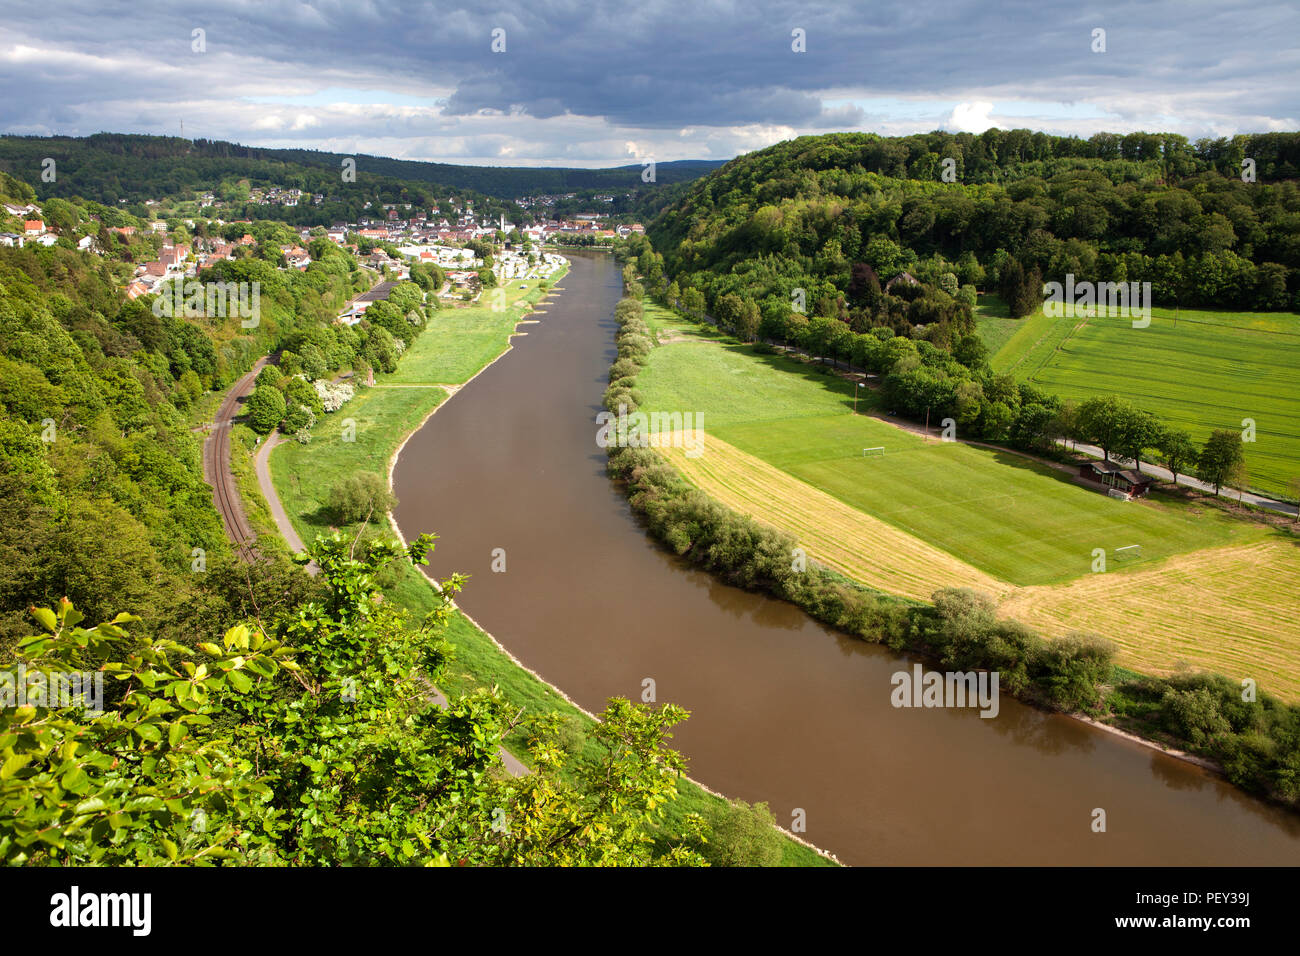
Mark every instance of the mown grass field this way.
pixel 1231 610
pixel 863 547
pixel 456 346
pixel 1201 371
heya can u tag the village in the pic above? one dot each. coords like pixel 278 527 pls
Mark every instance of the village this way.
pixel 388 243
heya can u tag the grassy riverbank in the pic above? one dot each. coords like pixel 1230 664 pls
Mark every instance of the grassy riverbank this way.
pixel 455 347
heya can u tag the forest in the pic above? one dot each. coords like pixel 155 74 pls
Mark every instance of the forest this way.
pixel 126 170
pixel 1143 207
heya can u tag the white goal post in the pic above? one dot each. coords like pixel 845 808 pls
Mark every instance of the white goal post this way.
pixel 877 452
pixel 1129 551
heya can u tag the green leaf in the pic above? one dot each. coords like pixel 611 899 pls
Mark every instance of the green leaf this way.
pixel 46 617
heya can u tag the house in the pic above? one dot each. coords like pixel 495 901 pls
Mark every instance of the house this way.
pixel 85 243
pixel 905 277
pixel 11 239
pixel 136 288
pixel 123 230
pixel 48 239
pixel 33 227
pixel 1125 482
pixel 21 210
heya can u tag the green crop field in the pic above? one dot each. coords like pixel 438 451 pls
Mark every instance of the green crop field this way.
pixel 1200 372
pixel 1019 521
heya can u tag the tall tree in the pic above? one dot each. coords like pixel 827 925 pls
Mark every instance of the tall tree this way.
pixel 1222 459
pixel 1178 451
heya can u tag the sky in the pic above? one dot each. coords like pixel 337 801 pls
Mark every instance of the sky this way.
pixel 593 83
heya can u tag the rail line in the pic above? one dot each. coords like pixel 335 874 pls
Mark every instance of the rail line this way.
pixel 216 466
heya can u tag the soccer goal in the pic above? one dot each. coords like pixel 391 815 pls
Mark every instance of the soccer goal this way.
pixel 877 452
pixel 1128 551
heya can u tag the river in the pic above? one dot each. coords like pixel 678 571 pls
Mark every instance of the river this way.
pixel 783 710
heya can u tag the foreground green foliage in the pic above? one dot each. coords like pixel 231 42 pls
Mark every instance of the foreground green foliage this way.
pixel 315 740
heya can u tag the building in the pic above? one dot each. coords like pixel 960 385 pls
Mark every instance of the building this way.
pixel 904 277
pixel 1123 481
pixel 33 227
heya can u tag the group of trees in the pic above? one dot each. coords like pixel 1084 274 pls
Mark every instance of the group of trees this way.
pixel 293 395
pixel 101 473
pixel 1117 426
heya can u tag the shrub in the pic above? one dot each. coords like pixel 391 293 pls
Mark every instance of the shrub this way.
pixel 364 494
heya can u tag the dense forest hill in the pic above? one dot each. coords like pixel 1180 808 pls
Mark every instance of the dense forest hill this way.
pixel 1145 207
pixel 504 182
pixel 123 169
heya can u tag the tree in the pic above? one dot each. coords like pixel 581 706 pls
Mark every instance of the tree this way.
pixel 1139 430
pixel 1101 422
pixel 1021 289
pixel 1222 460
pixel 1178 451
pixel 265 409
pixel 744 835
pixel 361 496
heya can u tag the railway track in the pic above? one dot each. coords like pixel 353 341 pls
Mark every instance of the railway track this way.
pixel 216 466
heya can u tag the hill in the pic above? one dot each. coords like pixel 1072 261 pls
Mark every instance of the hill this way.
pixel 115 168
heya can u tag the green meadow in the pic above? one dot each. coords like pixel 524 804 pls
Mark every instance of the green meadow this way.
pixel 1021 521
pixel 1194 369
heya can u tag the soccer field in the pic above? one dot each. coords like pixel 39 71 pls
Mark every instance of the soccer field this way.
pixel 1015 519
pixel 1203 371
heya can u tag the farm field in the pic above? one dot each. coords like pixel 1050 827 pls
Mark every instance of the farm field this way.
pixel 1231 610
pixel 956 498
pixel 1207 370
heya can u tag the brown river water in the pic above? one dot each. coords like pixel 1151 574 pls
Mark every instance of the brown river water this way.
pixel 783 710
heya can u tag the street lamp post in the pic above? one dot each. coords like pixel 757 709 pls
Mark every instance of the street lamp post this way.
pixel 855 396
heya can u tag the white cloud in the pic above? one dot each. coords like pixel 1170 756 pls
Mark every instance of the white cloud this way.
pixel 971 118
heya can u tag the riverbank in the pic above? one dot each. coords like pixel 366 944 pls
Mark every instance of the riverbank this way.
pixel 458 346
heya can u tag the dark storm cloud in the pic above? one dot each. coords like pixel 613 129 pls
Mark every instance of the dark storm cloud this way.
pixel 643 66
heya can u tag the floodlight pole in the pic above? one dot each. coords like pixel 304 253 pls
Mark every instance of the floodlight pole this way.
pixel 855 396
